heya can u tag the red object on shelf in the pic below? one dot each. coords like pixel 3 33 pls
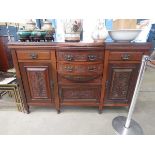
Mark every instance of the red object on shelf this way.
pixel 5 54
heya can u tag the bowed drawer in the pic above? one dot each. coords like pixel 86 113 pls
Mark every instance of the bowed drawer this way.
pixel 82 69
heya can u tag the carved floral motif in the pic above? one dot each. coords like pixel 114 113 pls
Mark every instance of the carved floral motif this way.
pixel 37 82
pixel 120 83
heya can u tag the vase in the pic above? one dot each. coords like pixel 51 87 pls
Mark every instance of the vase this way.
pixel 100 33
pixel 30 25
pixel 72 29
pixel 47 26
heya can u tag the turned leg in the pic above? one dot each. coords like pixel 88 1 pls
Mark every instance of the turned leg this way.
pixel 58 111
pixel 58 107
pixel 100 109
pixel 27 108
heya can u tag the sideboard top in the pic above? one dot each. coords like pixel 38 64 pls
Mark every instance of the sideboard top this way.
pixel 106 45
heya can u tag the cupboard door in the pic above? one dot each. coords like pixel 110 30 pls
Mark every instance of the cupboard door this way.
pixel 120 83
pixel 37 82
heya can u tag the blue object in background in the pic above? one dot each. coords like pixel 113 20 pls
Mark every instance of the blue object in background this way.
pixel 3 30
pixel 12 31
pixel 38 23
pixel 151 37
pixel 108 24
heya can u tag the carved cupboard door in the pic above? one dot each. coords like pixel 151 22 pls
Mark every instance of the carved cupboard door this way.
pixel 120 83
pixel 37 83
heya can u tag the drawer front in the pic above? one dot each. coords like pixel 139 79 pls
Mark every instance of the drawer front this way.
pixel 33 55
pixel 82 69
pixel 125 56
pixel 80 56
pixel 79 93
pixel 65 78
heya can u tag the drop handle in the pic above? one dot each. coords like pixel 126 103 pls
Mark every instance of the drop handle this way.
pixel 69 68
pixel 68 57
pixel 92 57
pixel 33 55
pixel 125 57
pixel 92 68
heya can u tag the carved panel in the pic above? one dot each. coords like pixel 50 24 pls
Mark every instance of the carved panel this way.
pixel 79 93
pixel 120 83
pixel 37 82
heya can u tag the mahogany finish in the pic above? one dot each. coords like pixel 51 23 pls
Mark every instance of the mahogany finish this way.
pixel 37 82
pixel 81 55
pixel 33 55
pixel 77 74
pixel 121 80
pixel 125 56
pixel 81 93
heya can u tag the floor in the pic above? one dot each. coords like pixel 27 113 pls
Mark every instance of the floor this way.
pixel 76 120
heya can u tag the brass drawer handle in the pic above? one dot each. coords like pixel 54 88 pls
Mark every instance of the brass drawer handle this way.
pixel 68 57
pixel 92 57
pixel 69 68
pixel 93 68
pixel 125 57
pixel 33 55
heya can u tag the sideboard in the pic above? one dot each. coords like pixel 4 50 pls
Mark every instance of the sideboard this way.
pixel 61 74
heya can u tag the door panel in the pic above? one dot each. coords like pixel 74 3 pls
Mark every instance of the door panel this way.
pixel 120 83
pixel 37 82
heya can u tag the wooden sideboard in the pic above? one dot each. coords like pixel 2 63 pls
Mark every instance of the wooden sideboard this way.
pixel 77 74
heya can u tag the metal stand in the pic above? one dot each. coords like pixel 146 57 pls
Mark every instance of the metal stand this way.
pixel 127 126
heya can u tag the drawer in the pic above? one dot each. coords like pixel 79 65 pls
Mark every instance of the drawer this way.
pixel 79 93
pixel 33 55
pixel 66 78
pixel 80 55
pixel 125 56
pixel 82 69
